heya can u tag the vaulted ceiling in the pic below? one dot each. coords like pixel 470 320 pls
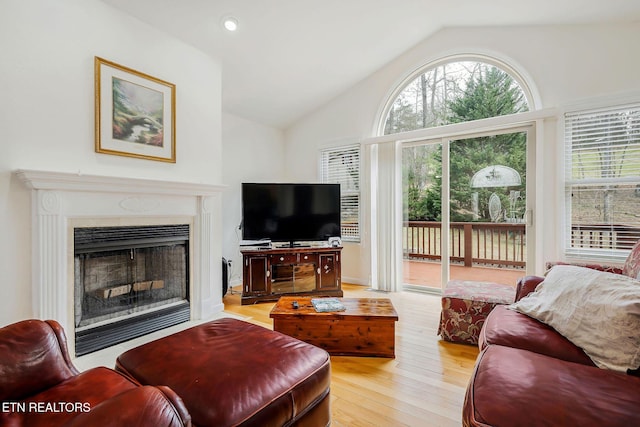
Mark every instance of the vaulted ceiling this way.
pixel 289 57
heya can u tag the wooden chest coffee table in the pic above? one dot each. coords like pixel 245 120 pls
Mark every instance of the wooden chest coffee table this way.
pixel 365 328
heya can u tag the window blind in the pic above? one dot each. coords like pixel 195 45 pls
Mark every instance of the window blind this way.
pixel 602 181
pixel 341 165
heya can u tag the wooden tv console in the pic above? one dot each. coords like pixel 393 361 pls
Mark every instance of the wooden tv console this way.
pixel 269 273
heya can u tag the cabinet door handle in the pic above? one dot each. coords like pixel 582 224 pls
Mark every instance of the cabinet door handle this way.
pixel 281 258
pixel 318 270
pixel 268 273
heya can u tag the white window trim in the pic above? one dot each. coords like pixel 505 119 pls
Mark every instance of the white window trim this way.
pixel 463 129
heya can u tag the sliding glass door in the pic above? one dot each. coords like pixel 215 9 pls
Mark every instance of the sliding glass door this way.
pixel 470 192
pixel 422 214
pixel 487 207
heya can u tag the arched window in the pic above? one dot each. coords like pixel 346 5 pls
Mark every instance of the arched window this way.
pixel 453 91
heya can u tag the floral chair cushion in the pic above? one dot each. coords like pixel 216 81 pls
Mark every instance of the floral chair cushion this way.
pixel 465 307
pixel 632 264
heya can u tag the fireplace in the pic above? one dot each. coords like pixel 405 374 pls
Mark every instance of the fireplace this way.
pixel 128 281
pixel 66 202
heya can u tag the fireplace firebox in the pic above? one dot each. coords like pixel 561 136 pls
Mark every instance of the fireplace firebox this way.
pixel 128 282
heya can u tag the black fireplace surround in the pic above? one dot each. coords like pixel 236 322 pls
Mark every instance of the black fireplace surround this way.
pixel 128 282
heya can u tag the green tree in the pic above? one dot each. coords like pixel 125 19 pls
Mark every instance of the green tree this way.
pixel 489 92
pixel 401 116
pixel 421 168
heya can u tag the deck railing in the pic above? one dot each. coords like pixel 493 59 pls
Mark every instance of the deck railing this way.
pixel 470 243
pixel 502 244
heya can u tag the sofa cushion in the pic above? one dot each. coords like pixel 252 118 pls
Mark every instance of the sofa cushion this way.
pixel 598 312
pixel 512 329
pixel 531 389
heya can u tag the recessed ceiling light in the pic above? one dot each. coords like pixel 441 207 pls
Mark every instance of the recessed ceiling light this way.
pixel 230 23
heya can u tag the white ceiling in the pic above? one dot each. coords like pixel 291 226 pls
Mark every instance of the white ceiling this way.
pixel 289 57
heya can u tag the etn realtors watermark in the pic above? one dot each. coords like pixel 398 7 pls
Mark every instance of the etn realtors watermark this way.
pixel 45 407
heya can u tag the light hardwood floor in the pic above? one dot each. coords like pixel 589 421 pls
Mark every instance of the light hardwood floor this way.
pixel 423 386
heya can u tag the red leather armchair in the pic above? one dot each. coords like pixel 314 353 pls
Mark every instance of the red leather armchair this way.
pixel 39 386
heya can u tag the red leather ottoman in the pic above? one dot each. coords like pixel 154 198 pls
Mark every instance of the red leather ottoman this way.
pixel 232 373
pixel 466 305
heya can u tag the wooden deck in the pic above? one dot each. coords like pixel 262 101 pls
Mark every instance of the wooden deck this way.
pixel 427 274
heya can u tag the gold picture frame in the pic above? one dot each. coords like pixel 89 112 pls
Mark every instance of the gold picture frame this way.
pixel 135 113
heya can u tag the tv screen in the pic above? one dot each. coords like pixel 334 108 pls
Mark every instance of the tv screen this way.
pixel 290 212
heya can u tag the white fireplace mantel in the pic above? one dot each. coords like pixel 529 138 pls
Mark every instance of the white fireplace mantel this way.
pixel 61 199
pixel 64 181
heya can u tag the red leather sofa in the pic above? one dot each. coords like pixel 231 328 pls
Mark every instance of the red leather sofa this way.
pixel 527 374
pixel 39 386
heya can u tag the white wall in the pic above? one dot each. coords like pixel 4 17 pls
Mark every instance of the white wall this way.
pixel 47 112
pixel 252 153
pixel 567 65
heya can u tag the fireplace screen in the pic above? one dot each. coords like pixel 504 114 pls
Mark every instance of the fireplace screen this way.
pixel 126 276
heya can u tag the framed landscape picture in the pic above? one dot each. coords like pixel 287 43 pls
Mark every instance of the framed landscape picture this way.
pixel 135 113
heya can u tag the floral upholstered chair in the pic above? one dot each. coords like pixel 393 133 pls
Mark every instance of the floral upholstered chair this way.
pixel 465 306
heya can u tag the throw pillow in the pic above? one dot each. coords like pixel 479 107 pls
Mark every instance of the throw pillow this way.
pixel 597 311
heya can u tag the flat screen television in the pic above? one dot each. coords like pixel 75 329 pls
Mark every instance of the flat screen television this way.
pixel 290 212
